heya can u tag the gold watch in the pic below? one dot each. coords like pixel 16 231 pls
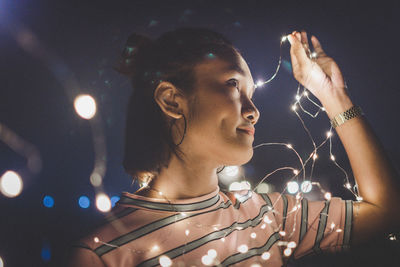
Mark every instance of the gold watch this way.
pixel 349 114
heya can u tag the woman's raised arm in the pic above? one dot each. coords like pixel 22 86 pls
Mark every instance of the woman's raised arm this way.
pixel 378 182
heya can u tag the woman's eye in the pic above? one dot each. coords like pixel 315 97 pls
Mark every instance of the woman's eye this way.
pixel 234 82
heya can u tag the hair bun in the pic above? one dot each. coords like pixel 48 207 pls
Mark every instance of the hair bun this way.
pixel 133 45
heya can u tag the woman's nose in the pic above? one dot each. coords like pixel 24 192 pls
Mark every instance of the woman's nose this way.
pixel 251 113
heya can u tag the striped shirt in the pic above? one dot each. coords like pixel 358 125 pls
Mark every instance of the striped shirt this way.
pixel 220 228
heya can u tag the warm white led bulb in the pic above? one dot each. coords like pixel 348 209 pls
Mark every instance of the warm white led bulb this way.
pixel 287 252
pixel 265 256
pixel 284 38
pixel 103 202
pixel 328 195
pixel 212 253
pixel 85 106
pixel 165 261
pixel 243 248
pixel 260 83
pixel 11 184
pixel 292 187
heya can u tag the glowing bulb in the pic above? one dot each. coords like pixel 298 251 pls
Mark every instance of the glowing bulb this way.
pixel 359 198
pixel 96 240
pixel 263 226
pixel 328 195
pixel 160 193
pixel 292 187
pixel 255 265
pixel 235 186
pixel 294 107
pixel 329 134
pixel 96 179
pixel 267 220
pixel 223 239
pixel 338 230
pixel 212 253
pixel 85 106
pixel 314 54
pixel 332 225
pixel 282 233
pixel 305 93
pixel 253 235
pixel 306 186
pixel 165 261
pixel 263 188
pixel 103 202
pixel 291 244
pixel 295 172
pixel 323 109
pixel 298 97
pixel 287 252
pixel 284 38
pixel 11 184
pixel 260 83
pixel 333 157
pixel 348 185
pixel 187 232
pixel 265 256
pixel 243 248
pixel 155 248
pixel 231 171
pixel 289 146
pixel 207 260
pixel 183 214
pixel 315 156
pixel 1 262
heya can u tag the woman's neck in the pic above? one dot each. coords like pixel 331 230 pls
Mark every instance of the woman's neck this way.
pixel 182 180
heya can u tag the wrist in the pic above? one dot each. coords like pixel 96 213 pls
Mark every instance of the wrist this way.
pixel 336 104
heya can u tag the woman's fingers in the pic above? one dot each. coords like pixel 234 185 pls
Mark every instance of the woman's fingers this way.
pixel 298 53
pixel 304 41
pixel 317 46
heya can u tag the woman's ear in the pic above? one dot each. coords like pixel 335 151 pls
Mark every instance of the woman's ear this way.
pixel 169 99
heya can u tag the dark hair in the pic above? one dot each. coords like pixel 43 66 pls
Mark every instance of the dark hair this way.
pixel 171 57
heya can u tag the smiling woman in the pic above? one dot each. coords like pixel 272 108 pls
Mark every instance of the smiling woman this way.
pixel 190 113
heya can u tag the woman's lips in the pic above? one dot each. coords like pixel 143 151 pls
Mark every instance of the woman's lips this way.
pixel 247 130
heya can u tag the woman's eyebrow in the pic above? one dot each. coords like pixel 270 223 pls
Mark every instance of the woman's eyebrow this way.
pixel 239 70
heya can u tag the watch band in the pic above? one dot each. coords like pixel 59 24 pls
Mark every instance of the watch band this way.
pixel 349 114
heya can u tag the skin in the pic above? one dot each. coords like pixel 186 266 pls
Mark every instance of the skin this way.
pixel 221 105
pixel 213 139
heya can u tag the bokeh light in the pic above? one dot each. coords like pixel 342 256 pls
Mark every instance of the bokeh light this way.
pixel 1 262
pixel 229 174
pixel 114 200
pixel 292 187
pixel 263 188
pixel 84 202
pixel 165 261
pixel 103 202
pixel 85 106
pixel 10 184
pixel 46 253
pixel 306 186
pixel 48 201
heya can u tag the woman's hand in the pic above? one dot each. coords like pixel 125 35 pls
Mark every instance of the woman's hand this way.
pixel 318 73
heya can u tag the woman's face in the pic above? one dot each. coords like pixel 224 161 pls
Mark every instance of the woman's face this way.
pixel 223 115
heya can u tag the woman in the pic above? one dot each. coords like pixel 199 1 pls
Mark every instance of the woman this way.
pixel 191 112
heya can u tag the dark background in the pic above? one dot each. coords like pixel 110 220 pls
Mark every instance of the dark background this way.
pixel 78 43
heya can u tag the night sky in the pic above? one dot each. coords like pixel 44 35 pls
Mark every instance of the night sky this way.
pixel 51 51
